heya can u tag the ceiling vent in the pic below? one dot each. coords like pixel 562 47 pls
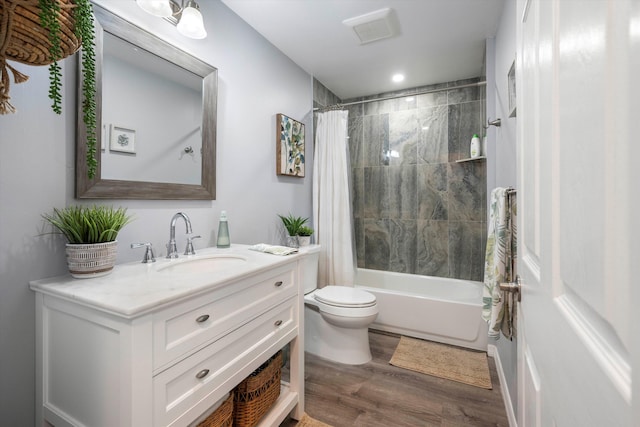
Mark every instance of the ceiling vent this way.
pixel 373 26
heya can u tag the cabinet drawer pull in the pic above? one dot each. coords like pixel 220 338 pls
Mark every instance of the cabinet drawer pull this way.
pixel 202 318
pixel 278 284
pixel 200 375
pixel 278 322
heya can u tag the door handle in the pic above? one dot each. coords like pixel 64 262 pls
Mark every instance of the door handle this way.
pixel 513 287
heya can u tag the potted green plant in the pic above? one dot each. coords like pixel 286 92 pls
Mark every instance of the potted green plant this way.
pixel 304 235
pixel 91 232
pixel 293 224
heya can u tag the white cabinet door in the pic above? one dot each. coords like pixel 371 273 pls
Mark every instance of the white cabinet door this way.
pixel 577 63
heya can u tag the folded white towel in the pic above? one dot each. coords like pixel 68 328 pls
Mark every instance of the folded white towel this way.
pixel 273 249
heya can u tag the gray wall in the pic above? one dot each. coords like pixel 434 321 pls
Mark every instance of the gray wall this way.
pixel 256 81
pixel 501 161
pixel 416 209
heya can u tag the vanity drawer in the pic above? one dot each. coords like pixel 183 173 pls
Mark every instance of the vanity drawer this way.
pixel 183 328
pixel 184 391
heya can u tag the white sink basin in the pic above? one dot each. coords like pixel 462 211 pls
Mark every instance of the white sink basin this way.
pixel 209 264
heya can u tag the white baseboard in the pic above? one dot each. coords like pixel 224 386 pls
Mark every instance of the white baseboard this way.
pixel 492 351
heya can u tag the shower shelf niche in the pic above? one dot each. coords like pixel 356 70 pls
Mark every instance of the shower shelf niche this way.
pixel 472 159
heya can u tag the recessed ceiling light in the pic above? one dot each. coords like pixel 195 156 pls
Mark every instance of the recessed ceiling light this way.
pixel 397 77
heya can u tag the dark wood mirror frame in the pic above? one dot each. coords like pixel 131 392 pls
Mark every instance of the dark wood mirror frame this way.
pixel 98 188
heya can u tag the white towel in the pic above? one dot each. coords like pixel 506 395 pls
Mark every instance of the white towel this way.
pixel 499 308
pixel 273 249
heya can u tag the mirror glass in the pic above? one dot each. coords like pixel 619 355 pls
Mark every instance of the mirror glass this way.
pixel 157 116
pixel 135 147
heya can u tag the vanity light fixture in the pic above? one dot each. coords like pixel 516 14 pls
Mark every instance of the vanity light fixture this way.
pixel 185 16
pixel 190 23
pixel 160 8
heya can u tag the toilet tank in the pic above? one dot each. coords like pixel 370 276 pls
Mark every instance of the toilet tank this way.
pixel 309 267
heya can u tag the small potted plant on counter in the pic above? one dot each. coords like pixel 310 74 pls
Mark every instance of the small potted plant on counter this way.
pixel 293 225
pixel 91 232
pixel 304 235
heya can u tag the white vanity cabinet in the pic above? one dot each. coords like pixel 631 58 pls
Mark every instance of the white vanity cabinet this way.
pixel 143 348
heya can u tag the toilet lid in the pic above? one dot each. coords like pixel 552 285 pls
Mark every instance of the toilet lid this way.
pixel 344 296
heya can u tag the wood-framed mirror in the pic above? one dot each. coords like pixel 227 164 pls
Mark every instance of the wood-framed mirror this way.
pixel 162 148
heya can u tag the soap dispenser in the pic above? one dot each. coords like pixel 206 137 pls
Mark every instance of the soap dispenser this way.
pixel 223 231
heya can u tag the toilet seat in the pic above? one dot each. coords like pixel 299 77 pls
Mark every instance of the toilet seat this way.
pixel 343 301
pixel 343 296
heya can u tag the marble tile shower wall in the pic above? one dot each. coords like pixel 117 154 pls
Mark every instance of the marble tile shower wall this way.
pixel 416 210
pixel 322 97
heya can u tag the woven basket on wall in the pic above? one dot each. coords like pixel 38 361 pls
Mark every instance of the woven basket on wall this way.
pixel 23 39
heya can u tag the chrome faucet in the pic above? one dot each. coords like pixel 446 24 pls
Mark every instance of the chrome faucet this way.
pixel 148 253
pixel 172 250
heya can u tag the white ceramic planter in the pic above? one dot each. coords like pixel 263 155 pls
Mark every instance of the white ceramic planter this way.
pixel 304 240
pixel 292 241
pixel 91 260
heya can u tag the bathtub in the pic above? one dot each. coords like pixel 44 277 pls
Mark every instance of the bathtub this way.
pixel 432 308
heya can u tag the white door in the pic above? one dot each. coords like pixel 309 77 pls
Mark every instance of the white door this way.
pixel 578 132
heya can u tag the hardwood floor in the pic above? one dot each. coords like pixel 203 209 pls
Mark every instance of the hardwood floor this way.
pixel 379 394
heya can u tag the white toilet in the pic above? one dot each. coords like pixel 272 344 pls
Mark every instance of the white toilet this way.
pixel 336 318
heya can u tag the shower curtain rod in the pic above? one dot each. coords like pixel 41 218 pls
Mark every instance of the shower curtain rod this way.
pixel 385 98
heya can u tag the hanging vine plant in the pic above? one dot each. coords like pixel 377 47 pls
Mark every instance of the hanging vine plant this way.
pixel 42 32
pixel 85 30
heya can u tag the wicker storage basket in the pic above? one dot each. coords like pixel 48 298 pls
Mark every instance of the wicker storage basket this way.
pixel 28 40
pixel 24 39
pixel 91 260
pixel 257 393
pixel 221 417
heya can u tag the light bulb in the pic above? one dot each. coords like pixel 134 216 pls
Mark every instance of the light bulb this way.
pixel 161 8
pixel 191 23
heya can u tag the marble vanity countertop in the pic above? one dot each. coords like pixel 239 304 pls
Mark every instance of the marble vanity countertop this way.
pixel 134 289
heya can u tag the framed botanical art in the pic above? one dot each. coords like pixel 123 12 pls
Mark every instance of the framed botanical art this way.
pixel 122 140
pixel 289 146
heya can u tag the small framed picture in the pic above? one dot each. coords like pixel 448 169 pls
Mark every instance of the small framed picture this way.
pixel 122 140
pixel 289 147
